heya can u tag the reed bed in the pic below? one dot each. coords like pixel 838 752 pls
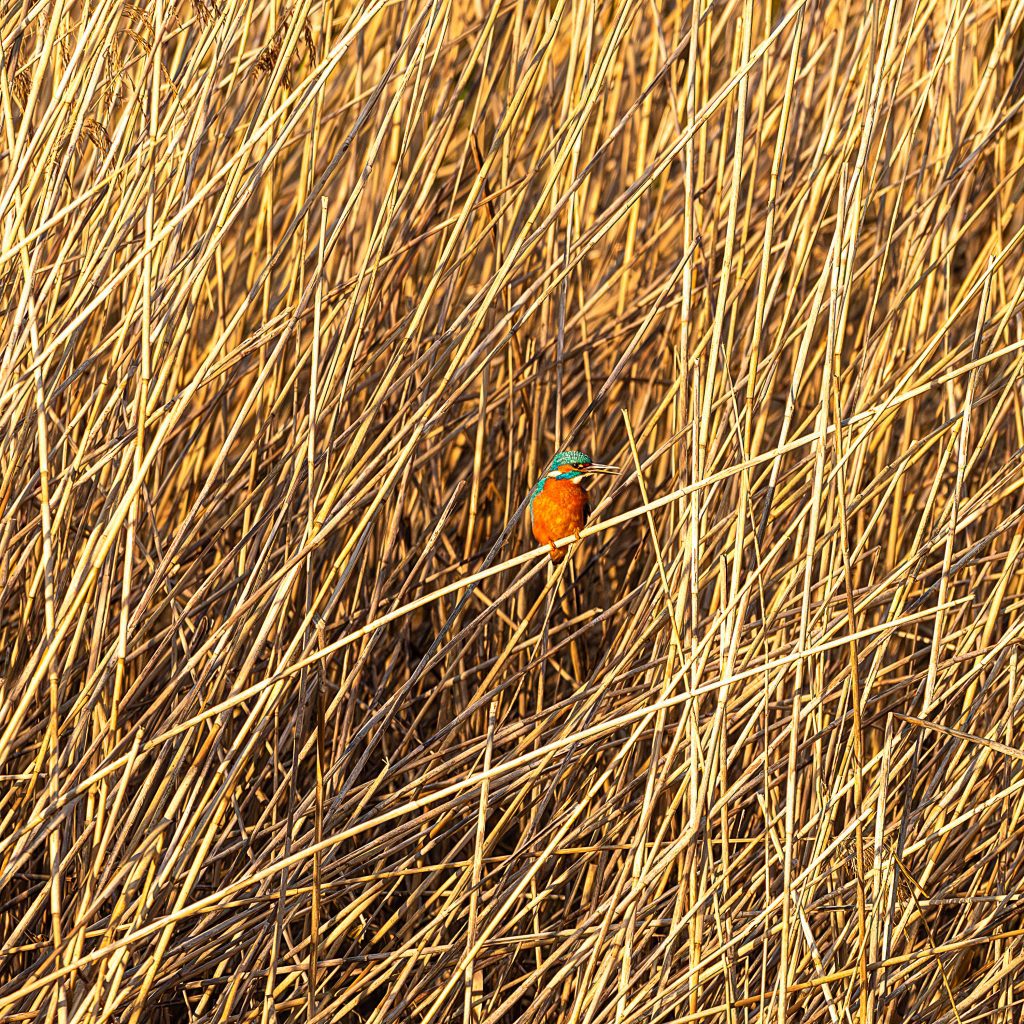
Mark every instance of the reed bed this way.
pixel 297 723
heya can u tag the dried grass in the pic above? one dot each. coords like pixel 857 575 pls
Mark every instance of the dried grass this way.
pixel 295 722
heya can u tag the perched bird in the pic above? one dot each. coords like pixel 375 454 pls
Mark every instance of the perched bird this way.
pixel 558 504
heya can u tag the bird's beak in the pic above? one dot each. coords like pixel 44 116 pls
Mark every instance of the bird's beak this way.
pixel 597 467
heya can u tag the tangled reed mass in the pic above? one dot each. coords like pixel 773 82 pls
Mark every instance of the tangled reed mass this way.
pixel 300 300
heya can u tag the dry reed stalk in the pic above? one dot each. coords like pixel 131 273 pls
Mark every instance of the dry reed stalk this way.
pixel 295 725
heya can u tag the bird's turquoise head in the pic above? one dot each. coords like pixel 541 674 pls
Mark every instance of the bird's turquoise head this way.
pixel 573 466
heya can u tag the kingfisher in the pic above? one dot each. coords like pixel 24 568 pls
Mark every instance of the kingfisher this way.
pixel 558 504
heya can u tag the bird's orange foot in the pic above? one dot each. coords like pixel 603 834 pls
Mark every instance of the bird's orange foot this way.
pixel 557 554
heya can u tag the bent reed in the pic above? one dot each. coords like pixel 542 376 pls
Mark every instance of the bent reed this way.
pixel 297 723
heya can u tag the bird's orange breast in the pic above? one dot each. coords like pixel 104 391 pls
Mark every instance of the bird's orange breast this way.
pixel 559 510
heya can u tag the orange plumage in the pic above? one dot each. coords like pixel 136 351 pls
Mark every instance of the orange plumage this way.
pixel 560 509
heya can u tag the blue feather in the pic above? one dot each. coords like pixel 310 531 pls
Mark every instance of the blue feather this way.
pixel 565 462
